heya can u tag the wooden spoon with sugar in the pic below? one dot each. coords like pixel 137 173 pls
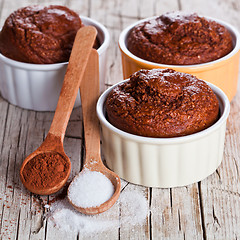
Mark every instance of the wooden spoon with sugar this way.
pixel 95 189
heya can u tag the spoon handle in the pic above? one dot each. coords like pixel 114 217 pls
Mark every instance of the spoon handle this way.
pixel 81 50
pixel 89 91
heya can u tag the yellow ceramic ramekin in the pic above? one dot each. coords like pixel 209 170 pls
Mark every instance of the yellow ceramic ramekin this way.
pixel 222 72
pixel 164 162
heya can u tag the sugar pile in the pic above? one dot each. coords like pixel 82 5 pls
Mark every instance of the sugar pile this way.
pixel 90 189
pixel 130 209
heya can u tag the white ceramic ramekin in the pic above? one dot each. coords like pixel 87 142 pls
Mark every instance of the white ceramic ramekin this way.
pixel 164 162
pixel 37 86
pixel 222 72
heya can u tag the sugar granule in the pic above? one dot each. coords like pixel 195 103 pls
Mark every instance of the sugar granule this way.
pixel 133 210
pixel 90 189
pixel 134 207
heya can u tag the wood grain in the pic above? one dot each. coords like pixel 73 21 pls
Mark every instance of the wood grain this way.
pixel 205 210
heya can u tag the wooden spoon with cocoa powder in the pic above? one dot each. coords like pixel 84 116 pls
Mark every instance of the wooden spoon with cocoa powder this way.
pixel 52 147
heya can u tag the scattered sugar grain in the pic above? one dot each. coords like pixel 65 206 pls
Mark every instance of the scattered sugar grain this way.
pixel 68 219
pixel 133 207
pixel 90 189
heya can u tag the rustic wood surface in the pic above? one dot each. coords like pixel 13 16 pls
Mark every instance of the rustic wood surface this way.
pixel 209 209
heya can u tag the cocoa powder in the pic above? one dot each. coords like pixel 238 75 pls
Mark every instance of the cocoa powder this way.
pixel 45 170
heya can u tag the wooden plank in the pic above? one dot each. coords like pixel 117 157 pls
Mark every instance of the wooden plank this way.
pixel 3 119
pixel 37 222
pixel 208 210
pixel 118 20
pixel 32 212
pixel 126 17
pixel 113 213
pixel 164 6
pixel 109 17
pixel 220 192
pixel 113 18
pixel 73 148
pixel 225 10
pixel 81 7
pixel 10 164
pixel 3 164
pixel 9 6
pixel 23 212
pixel 138 230
pixel 176 214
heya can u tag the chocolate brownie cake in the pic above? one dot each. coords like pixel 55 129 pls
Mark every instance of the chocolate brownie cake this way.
pixel 179 38
pixel 162 103
pixel 38 34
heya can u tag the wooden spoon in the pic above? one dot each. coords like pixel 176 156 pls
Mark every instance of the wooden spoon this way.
pixel 89 91
pixel 54 141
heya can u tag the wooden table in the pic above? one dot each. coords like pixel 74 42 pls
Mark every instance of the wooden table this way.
pixel 209 209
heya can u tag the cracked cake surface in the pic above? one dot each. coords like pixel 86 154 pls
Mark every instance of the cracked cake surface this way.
pixel 38 34
pixel 179 38
pixel 162 103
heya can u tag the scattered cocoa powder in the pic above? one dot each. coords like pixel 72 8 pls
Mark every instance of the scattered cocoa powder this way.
pixel 45 170
pixel 61 195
